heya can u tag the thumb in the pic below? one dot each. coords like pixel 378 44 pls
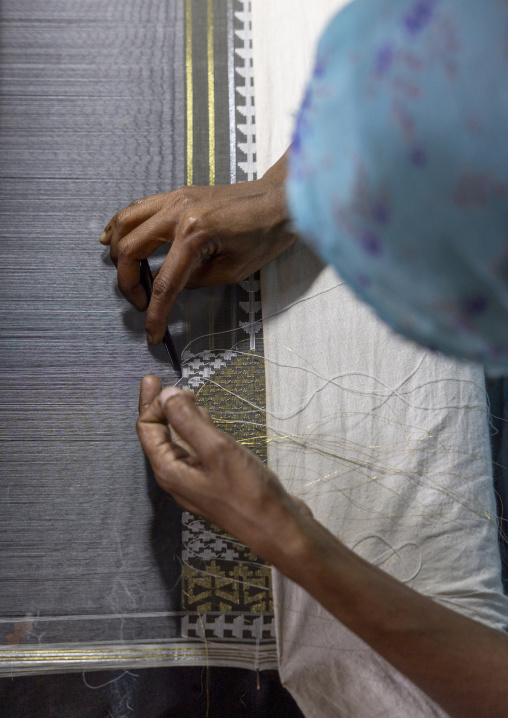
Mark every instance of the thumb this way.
pixel 193 426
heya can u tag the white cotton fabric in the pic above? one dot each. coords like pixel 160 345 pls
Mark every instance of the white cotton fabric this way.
pixel 386 442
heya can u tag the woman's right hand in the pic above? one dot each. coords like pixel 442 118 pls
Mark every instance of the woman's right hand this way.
pixel 218 235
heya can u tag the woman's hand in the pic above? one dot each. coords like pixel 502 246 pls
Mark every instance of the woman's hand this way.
pixel 218 235
pixel 459 663
pixel 211 475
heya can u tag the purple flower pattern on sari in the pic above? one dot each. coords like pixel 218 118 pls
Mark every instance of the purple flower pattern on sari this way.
pixel 419 16
pixel 412 167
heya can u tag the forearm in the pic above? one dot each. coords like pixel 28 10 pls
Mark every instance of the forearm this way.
pixel 274 179
pixel 460 663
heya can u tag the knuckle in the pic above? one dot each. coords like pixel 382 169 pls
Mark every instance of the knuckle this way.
pixel 195 234
pixel 137 202
pixel 124 251
pixel 120 221
pixel 184 196
pixel 191 226
pixel 161 286
pixel 123 220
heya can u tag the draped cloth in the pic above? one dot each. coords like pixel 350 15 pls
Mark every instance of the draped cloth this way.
pixel 398 168
pixel 102 103
pixel 387 443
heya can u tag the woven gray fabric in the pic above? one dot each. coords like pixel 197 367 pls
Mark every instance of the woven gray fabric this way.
pixel 103 103
pixel 92 117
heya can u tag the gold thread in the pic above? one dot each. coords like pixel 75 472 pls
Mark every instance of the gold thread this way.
pixel 190 90
pixel 41 654
pixel 211 94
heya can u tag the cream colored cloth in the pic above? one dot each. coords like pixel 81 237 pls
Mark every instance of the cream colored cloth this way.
pixel 386 442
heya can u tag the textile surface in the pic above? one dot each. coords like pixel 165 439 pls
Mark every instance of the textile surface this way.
pixel 398 171
pixel 387 443
pixel 226 589
pixel 86 532
pixel 104 102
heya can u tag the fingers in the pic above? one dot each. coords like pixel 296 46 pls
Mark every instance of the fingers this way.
pixel 139 244
pixel 129 278
pixel 149 391
pixel 154 230
pixel 205 415
pixel 175 469
pixel 123 224
pixel 171 279
pixel 137 231
pixel 153 431
pixel 196 429
pixel 151 387
pixel 130 217
pixel 105 237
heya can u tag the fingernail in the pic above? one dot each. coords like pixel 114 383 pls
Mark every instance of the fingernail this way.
pixel 149 338
pixel 102 238
pixel 167 393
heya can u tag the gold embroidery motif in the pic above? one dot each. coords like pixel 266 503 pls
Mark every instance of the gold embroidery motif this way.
pixel 219 573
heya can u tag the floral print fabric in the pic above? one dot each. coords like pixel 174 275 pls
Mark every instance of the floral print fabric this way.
pixel 399 167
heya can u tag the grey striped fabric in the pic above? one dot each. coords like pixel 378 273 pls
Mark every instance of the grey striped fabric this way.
pixel 92 117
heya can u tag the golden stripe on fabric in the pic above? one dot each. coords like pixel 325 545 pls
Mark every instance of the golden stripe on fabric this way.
pixel 29 660
pixel 243 583
pixel 220 577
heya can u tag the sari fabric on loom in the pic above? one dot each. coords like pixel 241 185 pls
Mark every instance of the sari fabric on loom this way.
pixel 102 103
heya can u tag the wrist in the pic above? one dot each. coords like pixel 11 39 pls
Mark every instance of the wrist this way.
pixel 297 544
pixel 276 175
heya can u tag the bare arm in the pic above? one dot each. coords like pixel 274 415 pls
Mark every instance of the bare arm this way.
pixel 459 663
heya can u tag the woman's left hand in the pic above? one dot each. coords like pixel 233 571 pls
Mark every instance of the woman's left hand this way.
pixel 459 663
pixel 211 475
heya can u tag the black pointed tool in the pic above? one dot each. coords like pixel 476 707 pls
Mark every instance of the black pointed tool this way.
pixel 147 282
